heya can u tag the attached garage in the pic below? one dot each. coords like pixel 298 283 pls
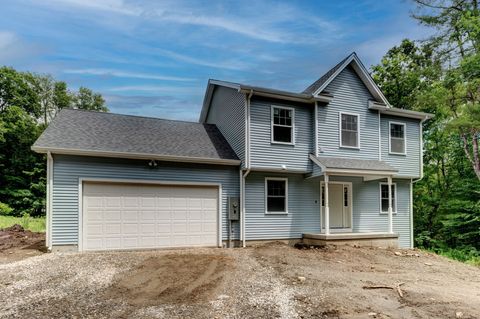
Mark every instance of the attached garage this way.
pixel 128 215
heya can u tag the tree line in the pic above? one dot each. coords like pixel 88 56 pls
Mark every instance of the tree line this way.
pixel 28 102
pixel 441 75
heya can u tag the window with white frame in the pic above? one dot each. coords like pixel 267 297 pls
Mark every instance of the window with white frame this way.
pixel 384 197
pixel 283 125
pixel 397 138
pixel 276 195
pixel 349 130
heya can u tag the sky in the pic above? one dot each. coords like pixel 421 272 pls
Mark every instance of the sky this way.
pixel 154 58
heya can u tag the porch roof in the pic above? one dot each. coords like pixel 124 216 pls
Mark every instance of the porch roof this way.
pixel 330 164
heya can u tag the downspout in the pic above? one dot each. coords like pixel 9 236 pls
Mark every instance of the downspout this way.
pixel 49 200
pixel 247 162
pixel 412 181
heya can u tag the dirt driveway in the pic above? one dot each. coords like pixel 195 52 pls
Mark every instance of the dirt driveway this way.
pixel 272 281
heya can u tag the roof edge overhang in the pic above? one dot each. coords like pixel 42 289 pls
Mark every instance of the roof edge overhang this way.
pixel 353 171
pixel 260 91
pixel 384 109
pixel 127 155
pixel 362 72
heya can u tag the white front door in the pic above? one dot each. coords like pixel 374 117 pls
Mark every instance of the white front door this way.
pixel 340 203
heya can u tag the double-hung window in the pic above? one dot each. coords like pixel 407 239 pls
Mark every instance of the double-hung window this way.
pixel 283 125
pixel 384 197
pixel 349 130
pixel 276 195
pixel 397 138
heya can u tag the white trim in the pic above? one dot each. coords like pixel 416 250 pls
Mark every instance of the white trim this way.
pixel 266 195
pixel 340 129
pixel 350 195
pixel 388 110
pixel 82 180
pixel 379 137
pixel 272 141
pixel 411 215
pixel 394 212
pixel 167 158
pixel 49 206
pixel 390 138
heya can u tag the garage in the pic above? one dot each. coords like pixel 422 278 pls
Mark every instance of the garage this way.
pixel 118 216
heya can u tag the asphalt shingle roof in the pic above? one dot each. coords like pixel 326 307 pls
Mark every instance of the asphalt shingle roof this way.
pixel 107 132
pixel 358 164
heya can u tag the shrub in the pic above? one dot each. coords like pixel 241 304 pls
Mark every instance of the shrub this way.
pixel 5 209
pixel 25 221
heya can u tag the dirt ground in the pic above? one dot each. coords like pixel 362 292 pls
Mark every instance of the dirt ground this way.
pixel 17 243
pixel 269 281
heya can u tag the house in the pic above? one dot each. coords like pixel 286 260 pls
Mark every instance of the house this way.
pixel 335 162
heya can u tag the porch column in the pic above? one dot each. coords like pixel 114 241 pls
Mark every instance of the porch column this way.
pixel 327 208
pixel 390 214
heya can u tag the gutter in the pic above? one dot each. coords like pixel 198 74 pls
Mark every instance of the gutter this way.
pixel 383 109
pixel 128 155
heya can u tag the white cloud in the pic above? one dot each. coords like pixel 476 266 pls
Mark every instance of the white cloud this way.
pixel 155 88
pixel 124 74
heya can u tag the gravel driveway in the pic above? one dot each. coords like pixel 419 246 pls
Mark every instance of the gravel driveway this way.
pixel 260 282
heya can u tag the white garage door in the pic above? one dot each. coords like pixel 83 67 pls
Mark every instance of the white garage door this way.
pixel 137 216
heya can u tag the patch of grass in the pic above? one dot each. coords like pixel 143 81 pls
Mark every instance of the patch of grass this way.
pixel 35 224
pixel 469 256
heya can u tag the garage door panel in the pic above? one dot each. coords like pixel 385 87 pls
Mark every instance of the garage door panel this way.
pixel 130 216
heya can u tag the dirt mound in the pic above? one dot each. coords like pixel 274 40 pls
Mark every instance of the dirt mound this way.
pixel 172 279
pixel 17 237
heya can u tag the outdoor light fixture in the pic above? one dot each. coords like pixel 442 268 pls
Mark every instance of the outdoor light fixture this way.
pixel 152 163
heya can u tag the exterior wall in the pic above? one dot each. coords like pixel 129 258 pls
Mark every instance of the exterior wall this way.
pixel 366 208
pixel 265 154
pixel 349 95
pixel 68 169
pixel 409 164
pixel 303 208
pixel 227 111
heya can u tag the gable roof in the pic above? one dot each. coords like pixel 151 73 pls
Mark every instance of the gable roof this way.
pixel 115 135
pixel 319 86
pixel 329 162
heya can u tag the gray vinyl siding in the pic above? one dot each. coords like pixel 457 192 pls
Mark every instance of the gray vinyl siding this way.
pixel 227 111
pixel 68 169
pixel 409 164
pixel 366 208
pixel 349 95
pixel 303 208
pixel 265 154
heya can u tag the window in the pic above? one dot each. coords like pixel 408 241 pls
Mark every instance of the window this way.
pixel 283 125
pixel 349 133
pixel 384 197
pixel 276 194
pixel 397 138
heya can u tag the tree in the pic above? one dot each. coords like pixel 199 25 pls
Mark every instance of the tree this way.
pixel 16 90
pixel 85 99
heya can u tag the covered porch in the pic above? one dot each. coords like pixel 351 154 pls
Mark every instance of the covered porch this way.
pixel 337 225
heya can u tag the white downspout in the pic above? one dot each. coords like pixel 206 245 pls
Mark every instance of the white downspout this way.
pixel 416 180
pixel 247 162
pixel 49 200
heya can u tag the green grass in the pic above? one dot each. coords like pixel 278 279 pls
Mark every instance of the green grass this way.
pixel 36 224
pixel 470 257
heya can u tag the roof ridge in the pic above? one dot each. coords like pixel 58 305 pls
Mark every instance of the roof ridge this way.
pixel 131 115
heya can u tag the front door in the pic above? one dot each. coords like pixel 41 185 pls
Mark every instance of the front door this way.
pixel 340 206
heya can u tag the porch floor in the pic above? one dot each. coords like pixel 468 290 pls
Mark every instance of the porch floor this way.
pixel 361 239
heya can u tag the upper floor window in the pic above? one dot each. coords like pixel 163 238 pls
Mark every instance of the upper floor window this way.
pixel 283 119
pixel 349 130
pixel 276 195
pixel 397 138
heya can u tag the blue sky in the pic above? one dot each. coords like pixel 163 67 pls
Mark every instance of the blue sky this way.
pixel 154 58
